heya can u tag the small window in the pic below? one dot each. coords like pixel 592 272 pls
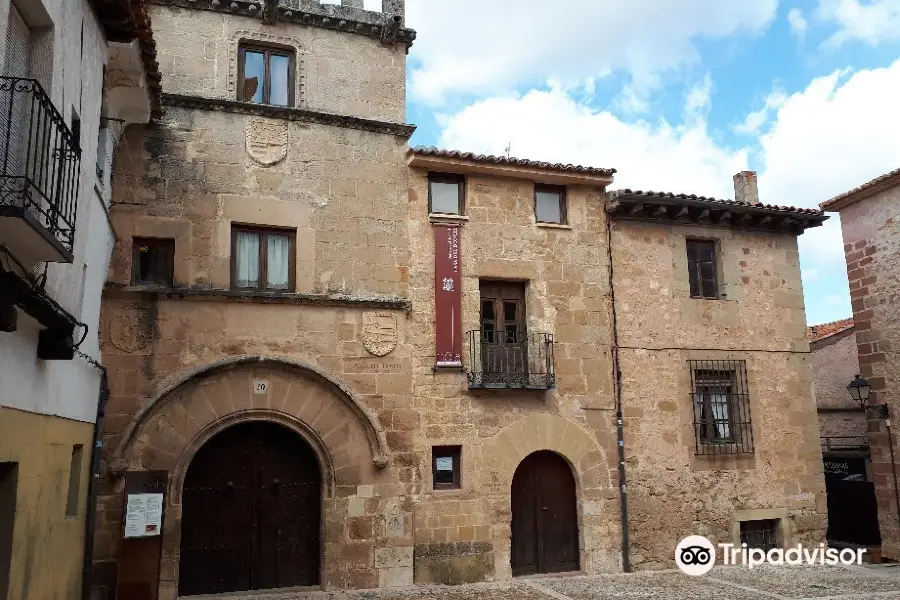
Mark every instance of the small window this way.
pixel 721 407
pixel 152 261
pixel 702 268
pixel 262 258
pixel 266 75
pixel 446 194
pixel 74 481
pixel 549 204
pixel 762 534
pixel 446 467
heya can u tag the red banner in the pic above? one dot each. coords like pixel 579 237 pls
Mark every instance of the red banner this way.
pixel 447 296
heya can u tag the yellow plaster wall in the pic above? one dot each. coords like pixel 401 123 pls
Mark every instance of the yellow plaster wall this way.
pixel 47 544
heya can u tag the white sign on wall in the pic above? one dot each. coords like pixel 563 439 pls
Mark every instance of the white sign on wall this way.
pixel 143 515
pixel 260 386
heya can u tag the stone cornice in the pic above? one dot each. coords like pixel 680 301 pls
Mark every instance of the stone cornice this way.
pixel 289 114
pixel 256 297
pixel 337 18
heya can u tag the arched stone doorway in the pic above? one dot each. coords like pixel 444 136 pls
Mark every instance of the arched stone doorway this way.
pixel 544 516
pixel 251 512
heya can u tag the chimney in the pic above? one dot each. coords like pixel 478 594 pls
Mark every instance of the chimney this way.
pixel 745 189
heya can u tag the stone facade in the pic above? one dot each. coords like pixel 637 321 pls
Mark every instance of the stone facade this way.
pixel 871 229
pixel 346 358
pixel 834 365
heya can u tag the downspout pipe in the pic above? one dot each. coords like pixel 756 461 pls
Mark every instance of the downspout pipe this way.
pixel 90 522
pixel 620 428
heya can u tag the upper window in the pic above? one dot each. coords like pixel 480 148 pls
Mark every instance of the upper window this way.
pixel 446 193
pixel 721 406
pixel 152 261
pixel 702 268
pixel 549 204
pixel 266 75
pixel 262 258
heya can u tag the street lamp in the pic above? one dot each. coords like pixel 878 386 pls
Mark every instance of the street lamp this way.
pixel 859 390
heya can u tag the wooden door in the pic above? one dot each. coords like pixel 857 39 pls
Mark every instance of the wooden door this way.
pixel 503 335
pixel 250 513
pixel 544 516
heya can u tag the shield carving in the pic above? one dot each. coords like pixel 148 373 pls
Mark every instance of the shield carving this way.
pixel 267 140
pixel 379 332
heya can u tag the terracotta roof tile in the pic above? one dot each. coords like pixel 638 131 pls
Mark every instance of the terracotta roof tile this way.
pixel 516 162
pixel 825 330
pixel 869 185
pixel 650 194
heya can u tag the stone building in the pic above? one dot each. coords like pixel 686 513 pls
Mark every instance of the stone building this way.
pixel 59 124
pixel 353 364
pixel 870 222
pixel 832 349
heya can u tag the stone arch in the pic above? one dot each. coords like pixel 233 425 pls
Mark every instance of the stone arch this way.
pixel 537 432
pixel 319 407
pixel 594 485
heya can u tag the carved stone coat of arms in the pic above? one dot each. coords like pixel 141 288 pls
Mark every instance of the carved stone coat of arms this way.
pixel 379 332
pixel 267 140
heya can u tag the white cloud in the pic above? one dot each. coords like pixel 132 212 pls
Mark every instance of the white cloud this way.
pixel 797 22
pixel 473 47
pixel 871 22
pixel 755 120
pixel 838 132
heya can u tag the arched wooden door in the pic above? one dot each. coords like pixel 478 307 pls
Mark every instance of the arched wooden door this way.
pixel 544 516
pixel 251 509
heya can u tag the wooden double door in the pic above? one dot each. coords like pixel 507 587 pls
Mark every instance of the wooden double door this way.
pixel 544 516
pixel 504 341
pixel 251 509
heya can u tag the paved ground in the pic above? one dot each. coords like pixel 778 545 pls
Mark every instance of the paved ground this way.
pixel 722 583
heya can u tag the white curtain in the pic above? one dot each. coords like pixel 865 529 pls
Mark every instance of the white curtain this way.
pixel 247 259
pixel 279 261
pixel 720 415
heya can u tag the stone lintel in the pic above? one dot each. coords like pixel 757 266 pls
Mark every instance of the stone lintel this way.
pixel 113 290
pixel 349 19
pixel 289 114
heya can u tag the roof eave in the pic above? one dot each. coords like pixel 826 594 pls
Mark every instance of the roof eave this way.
pixel 463 166
pixel 695 211
pixel 868 190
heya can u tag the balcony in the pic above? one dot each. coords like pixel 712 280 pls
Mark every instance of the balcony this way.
pixel 510 360
pixel 40 161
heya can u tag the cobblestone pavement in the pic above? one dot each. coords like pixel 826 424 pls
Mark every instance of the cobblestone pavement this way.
pixel 723 583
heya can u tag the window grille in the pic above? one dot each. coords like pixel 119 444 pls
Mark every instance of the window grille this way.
pixel 721 404
pixel 762 534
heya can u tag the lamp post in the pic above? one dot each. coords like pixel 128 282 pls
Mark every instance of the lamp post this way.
pixel 859 390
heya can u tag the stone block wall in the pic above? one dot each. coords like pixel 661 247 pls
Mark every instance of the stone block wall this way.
pixel 760 320
pixel 464 535
pixel 834 365
pixel 336 72
pixel 871 231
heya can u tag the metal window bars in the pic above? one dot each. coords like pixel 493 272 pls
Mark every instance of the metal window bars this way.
pixel 41 160
pixel 510 360
pixel 762 534
pixel 721 406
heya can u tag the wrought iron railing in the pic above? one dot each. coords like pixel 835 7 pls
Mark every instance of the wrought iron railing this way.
pixel 41 159
pixel 855 443
pixel 510 360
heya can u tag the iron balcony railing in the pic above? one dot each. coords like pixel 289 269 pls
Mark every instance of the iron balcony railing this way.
pixel 510 360
pixel 41 159
pixel 845 443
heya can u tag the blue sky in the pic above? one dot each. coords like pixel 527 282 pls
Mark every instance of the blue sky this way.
pixel 677 95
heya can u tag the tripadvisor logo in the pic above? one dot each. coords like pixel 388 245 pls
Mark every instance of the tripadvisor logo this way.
pixel 696 555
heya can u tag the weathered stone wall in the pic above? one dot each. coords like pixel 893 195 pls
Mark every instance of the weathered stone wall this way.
pixel 834 365
pixel 336 72
pixel 871 230
pixel 761 321
pixel 190 177
pixel 465 535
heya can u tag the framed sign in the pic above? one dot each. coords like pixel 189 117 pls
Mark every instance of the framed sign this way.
pixel 143 515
